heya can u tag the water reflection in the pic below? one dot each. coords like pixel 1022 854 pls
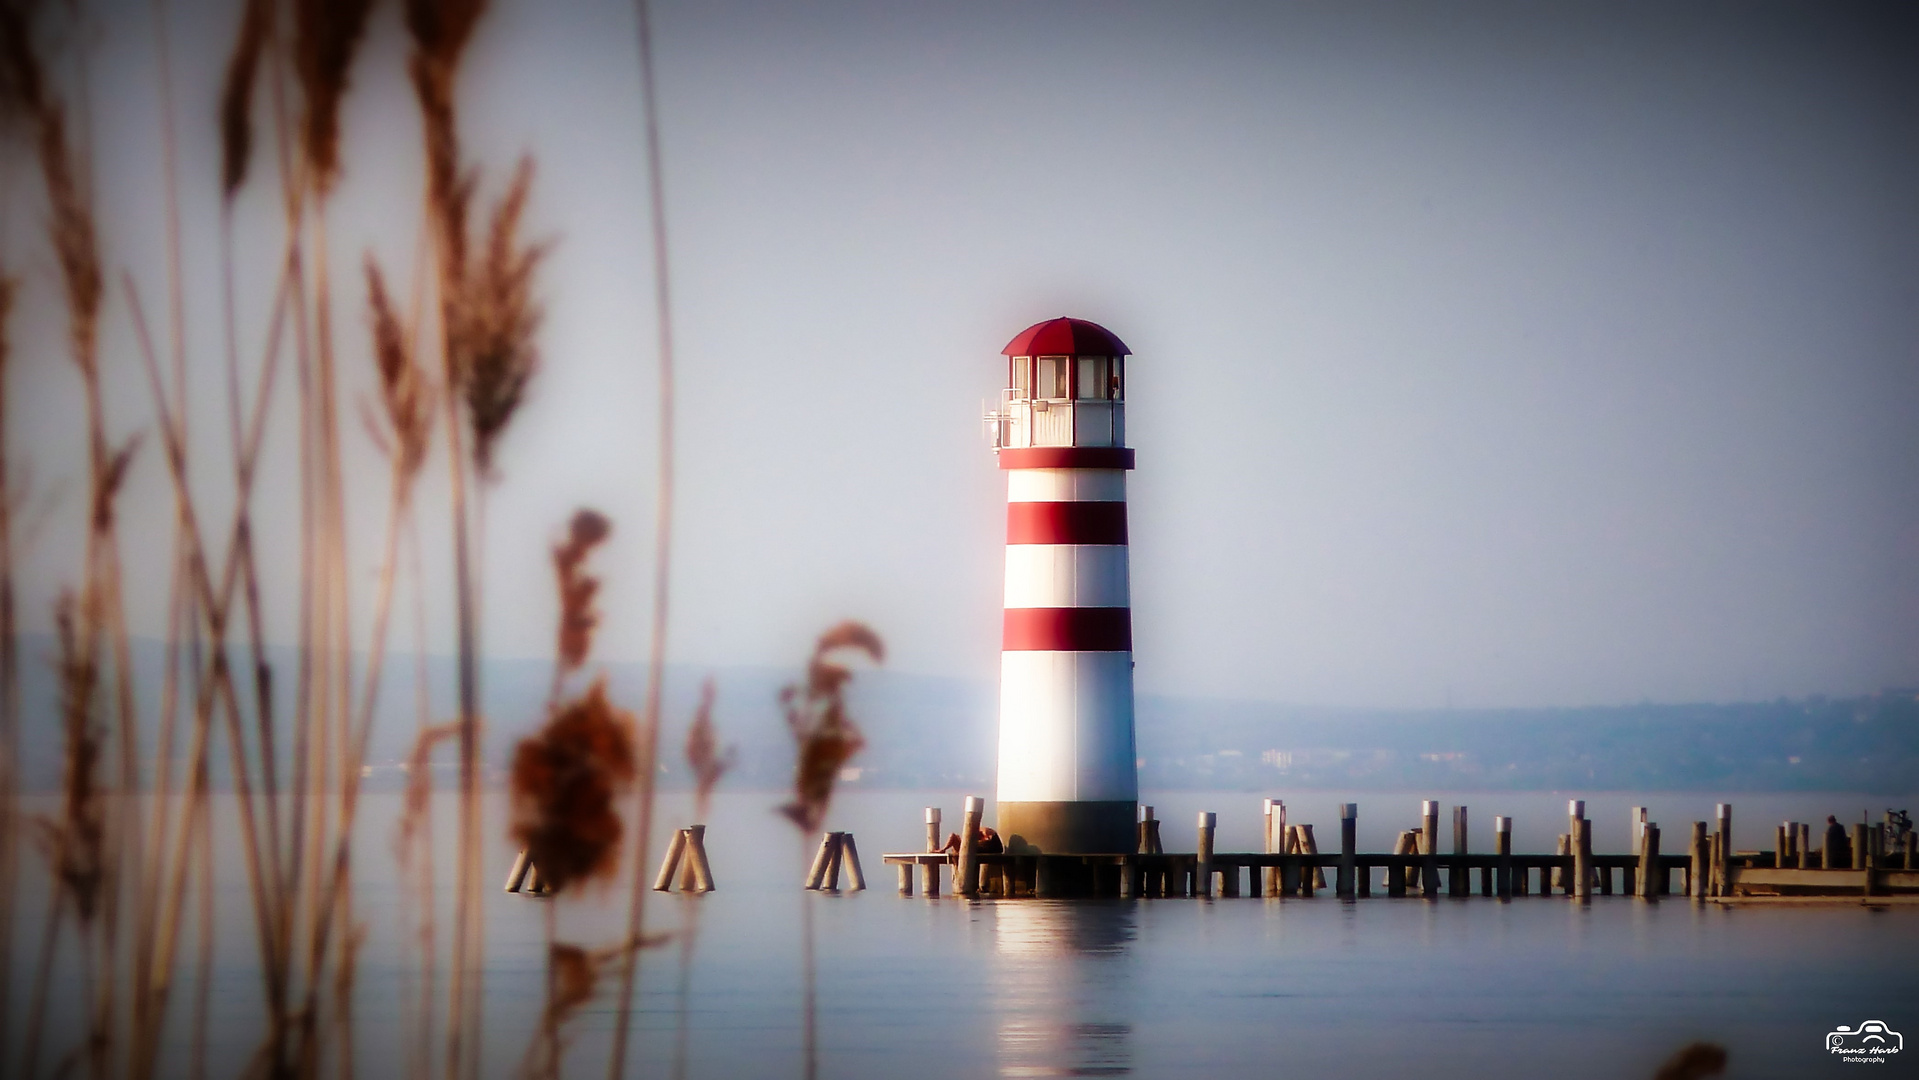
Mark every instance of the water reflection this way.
pixel 1063 1004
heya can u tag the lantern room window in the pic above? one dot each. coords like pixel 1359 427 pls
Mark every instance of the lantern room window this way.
pixel 1022 377
pixel 1052 377
pixel 1095 379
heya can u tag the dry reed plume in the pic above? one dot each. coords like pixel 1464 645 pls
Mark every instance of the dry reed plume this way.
pixel 816 715
pixel 565 780
pixel 125 880
pixel 827 738
pixel 703 754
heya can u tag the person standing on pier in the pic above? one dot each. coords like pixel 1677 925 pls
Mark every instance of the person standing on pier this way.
pixel 1838 848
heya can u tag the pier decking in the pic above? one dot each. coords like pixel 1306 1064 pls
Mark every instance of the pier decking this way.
pixel 1706 870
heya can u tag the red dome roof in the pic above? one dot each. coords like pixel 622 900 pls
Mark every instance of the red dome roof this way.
pixel 1066 337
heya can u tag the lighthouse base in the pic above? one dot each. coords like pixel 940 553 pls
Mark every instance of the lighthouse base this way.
pixel 1077 828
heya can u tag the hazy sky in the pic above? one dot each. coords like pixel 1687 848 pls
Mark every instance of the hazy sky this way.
pixel 1495 354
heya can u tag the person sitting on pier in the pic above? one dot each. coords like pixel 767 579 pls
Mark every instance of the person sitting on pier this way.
pixel 985 842
pixel 1838 848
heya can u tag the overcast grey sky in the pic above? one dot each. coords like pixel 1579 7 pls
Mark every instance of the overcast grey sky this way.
pixel 1500 354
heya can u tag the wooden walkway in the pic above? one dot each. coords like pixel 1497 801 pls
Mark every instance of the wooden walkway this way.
pixel 1298 869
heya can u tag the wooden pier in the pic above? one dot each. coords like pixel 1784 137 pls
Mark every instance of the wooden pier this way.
pixel 1704 869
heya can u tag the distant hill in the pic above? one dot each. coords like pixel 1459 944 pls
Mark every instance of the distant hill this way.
pixel 926 731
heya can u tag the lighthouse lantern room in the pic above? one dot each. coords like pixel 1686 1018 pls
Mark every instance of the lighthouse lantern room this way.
pixel 1068 778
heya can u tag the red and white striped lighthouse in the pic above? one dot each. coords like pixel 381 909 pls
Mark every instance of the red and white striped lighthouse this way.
pixel 1068 778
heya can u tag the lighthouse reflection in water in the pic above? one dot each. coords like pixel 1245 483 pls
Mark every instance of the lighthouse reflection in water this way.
pixel 1063 994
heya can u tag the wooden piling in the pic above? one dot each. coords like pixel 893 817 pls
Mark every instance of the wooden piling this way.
pixel 1699 863
pixel 516 877
pixel 1396 870
pixel 1203 874
pixel 1429 848
pixel 1583 859
pixel 675 851
pixel 966 877
pixel 1803 849
pixel 1862 855
pixel 1649 869
pixel 1503 847
pixel 1311 875
pixel 933 840
pixel 1722 863
pixel 855 877
pixel 816 874
pixel 1560 880
pixel 1265 876
pixel 930 879
pixel 1348 851
pixel 834 861
pixel 1458 878
pixel 1638 826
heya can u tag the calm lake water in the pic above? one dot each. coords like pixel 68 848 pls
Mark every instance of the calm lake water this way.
pixel 1151 988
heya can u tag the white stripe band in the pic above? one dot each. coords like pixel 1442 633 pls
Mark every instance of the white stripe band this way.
pixel 1066 485
pixel 1066 575
pixel 1066 727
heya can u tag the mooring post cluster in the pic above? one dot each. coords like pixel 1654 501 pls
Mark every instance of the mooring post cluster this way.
pixel 837 852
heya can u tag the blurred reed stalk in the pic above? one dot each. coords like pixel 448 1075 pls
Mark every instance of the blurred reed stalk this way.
pixel 566 781
pixel 826 738
pixel 85 846
pixel 708 763
pixel 649 736
pixel 9 684
pixel 128 861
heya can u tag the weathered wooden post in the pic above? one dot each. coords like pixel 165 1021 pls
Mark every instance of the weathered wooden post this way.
pixel 1803 849
pixel 516 877
pixel 1429 847
pixel 1396 870
pixel 696 874
pixel 1583 859
pixel 834 861
pixel 1458 879
pixel 817 875
pixel 1862 856
pixel 1348 851
pixel 933 842
pixel 1203 874
pixel 966 877
pixel 1722 864
pixel 675 851
pixel 1265 885
pixel 1503 847
pixel 1638 826
pixel 855 877
pixel 1649 871
pixel 1311 875
pixel 1561 879
pixel 1698 870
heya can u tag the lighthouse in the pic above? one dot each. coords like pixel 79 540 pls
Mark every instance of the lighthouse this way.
pixel 1068 775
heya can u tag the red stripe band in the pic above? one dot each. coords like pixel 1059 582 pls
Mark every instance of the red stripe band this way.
pixel 1066 523
pixel 1070 629
pixel 1066 457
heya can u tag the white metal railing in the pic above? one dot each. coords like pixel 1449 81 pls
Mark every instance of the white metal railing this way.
pixel 1017 422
